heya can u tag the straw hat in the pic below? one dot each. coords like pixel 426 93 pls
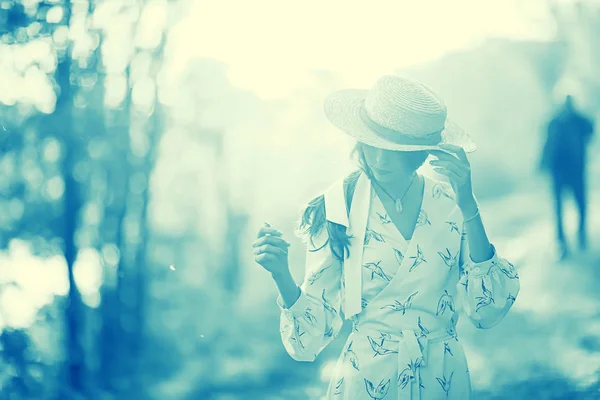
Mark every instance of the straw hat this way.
pixel 396 114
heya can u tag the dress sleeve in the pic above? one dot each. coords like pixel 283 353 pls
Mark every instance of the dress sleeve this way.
pixel 314 320
pixel 487 289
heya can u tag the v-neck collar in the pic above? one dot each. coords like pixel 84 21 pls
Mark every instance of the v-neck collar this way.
pixel 432 210
pixel 421 211
pixel 413 256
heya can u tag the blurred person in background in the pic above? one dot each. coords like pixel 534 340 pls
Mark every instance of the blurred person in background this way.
pixel 398 253
pixel 564 158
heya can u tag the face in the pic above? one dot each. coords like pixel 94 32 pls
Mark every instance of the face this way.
pixel 388 165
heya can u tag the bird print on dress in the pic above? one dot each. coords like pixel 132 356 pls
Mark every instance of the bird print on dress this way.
pixel 452 333
pixel 404 378
pixel 328 331
pixel 398 306
pixel 447 349
pixel 423 219
pixel 446 384
pixel 509 270
pixel 418 259
pixel 449 259
pixel 399 256
pixel 317 274
pixel 384 219
pixel 309 317
pixel 453 227
pixel 409 373
pixel 371 234
pixel 338 387
pixel 297 334
pixel 351 356
pixel 445 302
pixel 511 298
pixel 424 331
pixel 379 392
pixel 327 303
pixel 512 272
pixel 464 278
pixel 486 299
pixel 376 270
pixel 378 346
pixel 440 190
pixel 364 303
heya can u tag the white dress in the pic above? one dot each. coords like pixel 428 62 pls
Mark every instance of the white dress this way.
pixel 403 343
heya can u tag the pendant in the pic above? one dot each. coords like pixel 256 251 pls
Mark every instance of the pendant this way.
pixel 398 205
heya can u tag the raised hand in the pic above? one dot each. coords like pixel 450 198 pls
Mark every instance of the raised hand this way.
pixel 453 163
pixel 271 250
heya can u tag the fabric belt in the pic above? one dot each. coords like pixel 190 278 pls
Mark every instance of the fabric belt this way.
pixel 413 350
pixel 412 355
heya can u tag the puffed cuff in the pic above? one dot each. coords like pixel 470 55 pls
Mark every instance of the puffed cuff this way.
pixel 478 269
pixel 298 308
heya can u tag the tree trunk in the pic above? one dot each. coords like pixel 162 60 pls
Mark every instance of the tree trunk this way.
pixel 71 205
pixel 154 128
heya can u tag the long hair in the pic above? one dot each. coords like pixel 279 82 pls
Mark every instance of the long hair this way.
pixel 313 217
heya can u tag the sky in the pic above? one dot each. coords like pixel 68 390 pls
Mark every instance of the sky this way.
pixel 271 47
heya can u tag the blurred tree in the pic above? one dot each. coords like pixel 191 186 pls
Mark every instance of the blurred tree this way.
pixel 135 131
pixel 20 17
pixel 72 204
pixel 144 165
pixel 113 360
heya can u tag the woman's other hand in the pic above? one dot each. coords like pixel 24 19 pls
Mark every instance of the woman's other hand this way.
pixel 271 250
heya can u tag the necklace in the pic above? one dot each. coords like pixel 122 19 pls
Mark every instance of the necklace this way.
pixel 397 200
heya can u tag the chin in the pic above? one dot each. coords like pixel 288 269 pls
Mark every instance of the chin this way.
pixel 386 177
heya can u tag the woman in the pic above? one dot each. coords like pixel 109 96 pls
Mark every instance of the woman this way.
pixel 394 251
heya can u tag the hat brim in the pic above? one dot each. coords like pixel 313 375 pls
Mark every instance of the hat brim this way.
pixel 343 109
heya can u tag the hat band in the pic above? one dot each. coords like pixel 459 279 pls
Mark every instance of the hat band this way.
pixel 429 139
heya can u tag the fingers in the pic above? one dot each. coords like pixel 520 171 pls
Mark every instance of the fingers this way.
pixel 270 249
pixel 274 240
pixel 458 169
pixel 459 151
pixel 442 155
pixel 450 156
pixel 450 174
pixel 268 230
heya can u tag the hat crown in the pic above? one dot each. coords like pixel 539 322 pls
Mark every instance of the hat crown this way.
pixel 406 106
